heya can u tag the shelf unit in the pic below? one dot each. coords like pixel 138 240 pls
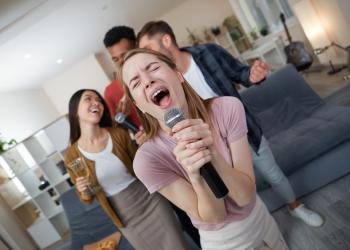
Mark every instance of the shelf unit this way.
pixel 35 160
pixel 224 40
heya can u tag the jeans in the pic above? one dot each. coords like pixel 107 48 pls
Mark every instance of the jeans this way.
pixel 264 162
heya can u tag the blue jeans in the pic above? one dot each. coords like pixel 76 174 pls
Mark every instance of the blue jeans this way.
pixel 266 165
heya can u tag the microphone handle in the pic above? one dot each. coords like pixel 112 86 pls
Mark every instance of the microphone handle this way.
pixel 214 181
pixel 131 126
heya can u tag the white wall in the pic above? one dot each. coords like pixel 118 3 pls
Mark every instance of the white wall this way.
pixel 335 18
pixel 25 112
pixel 196 15
pixel 86 74
pixel 106 63
pixel 336 21
pixel 344 6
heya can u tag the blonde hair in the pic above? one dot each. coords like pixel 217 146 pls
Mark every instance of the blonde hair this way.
pixel 197 107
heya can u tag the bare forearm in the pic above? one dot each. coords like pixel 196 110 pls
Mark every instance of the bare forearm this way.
pixel 240 185
pixel 210 209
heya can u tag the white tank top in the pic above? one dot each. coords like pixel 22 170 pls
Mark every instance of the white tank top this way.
pixel 195 78
pixel 111 173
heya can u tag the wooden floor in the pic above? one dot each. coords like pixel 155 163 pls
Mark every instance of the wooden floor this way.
pixel 333 203
pixel 324 84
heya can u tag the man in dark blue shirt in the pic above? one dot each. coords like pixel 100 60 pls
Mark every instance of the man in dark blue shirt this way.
pixel 212 71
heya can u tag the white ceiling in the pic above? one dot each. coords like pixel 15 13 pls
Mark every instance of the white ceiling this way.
pixel 61 29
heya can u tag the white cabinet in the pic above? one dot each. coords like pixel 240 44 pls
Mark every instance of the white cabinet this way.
pixel 224 40
pixel 32 162
pixel 43 232
pixel 270 49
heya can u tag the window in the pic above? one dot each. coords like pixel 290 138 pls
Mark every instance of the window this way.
pixel 265 13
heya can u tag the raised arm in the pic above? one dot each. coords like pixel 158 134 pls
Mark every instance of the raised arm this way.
pixel 239 178
pixel 239 72
pixel 158 169
pixel 196 147
pixel 81 183
pixel 233 68
pixel 195 198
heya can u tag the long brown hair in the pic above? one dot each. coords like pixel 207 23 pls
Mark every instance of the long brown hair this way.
pixel 196 106
pixel 75 132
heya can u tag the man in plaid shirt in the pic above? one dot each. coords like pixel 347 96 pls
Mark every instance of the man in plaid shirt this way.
pixel 212 71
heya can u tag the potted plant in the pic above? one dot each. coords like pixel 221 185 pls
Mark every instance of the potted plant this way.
pixel 208 37
pixel 5 145
pixel 216 31
pixel 235 34
pixel 254 35
pixel 264 30
pixel 230 23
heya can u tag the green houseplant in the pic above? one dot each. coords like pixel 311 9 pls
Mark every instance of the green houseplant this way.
pixel 4 145
pixel 264 30
pixel 254 35
pixel 216 30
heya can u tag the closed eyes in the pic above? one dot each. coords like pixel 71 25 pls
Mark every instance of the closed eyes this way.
pixel 154 68
pixel 151 67
pixel 135 84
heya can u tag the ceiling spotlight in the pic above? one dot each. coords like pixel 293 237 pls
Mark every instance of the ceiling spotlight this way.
pixel 27 56
pixel 59 61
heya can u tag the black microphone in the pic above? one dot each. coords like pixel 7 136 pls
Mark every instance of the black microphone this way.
pixel 208 172
pixel 121 119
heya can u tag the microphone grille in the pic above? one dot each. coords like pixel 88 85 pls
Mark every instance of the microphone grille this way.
pixel 120 118
pixel 173 116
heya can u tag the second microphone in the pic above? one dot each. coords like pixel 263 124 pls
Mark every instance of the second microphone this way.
pixel 121 119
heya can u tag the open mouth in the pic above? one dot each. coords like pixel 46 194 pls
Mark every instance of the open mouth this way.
pixel 161 97
pixel 94 110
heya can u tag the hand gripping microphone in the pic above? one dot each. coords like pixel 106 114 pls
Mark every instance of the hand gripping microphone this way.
pixel 121 119
pixel 208 172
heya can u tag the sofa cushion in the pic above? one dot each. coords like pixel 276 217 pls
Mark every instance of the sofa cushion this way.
pixel 284 114
pixel 324 129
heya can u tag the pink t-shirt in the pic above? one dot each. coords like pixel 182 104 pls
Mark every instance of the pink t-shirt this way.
pixel 156 166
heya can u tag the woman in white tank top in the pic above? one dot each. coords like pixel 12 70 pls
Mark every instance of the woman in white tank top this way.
pixel 147 221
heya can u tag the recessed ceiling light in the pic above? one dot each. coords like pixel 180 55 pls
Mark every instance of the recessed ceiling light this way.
pixel 27 56
pixel 59 61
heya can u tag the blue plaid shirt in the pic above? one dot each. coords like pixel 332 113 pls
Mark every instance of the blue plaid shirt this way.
pixel 221 70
